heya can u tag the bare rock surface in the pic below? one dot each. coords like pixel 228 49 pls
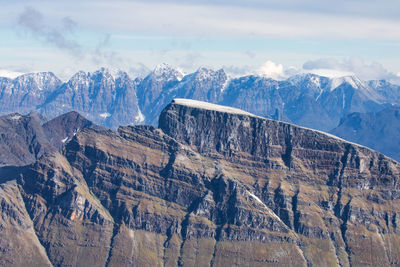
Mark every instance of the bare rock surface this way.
pixel 207 188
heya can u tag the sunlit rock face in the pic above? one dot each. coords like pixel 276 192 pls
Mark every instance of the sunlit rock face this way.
pixel 210 186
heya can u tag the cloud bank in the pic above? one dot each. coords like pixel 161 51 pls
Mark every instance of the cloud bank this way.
pixel 330 67
pixel 212 33
pixel 271 70
pixel 9 74
pixel 350 66
pixel 266 19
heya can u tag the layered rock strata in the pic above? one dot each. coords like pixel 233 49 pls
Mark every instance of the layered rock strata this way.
pixel 210 187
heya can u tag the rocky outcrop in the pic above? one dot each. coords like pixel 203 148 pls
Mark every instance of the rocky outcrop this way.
pixel 24 139
pixel 212 186
pixel 61 129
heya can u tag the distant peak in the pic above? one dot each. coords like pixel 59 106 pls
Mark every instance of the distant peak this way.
pixel 40 80
pixel 37 76
pixel 160 68
pixel 79 76
pixel 205 70
pixel 353 81
pixel 304 77
pixel 165 70
pixel 205 73
pixel 73 113
pixel 108 72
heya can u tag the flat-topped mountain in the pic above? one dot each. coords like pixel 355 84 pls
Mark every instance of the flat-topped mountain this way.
pixel 212 186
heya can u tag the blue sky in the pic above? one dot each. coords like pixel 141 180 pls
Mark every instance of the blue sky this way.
pixel 270 37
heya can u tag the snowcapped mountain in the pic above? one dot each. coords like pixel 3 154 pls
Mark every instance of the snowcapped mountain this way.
pixel 155 93
pixel 160 79
pixel 104 97
pixel 26 91
pixel 112 98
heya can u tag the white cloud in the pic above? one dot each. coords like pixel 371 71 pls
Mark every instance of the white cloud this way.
pixel 32 21
pixel 331 73
pixel 246 19
pixel 9 74
pixel 271 70
pixel 351 66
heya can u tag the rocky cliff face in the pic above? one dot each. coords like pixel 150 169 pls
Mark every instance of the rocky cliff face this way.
pixel 25 92
pixel 102 97
pixel 210 186
pixel 26 138
pixel 22 139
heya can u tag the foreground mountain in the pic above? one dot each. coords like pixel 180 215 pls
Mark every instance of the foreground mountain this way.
pixel 379 131
pixel 213 186
pixel 112 98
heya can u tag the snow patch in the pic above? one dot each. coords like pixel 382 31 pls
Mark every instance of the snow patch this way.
pixel 139 117
pixel 105 115
pixel 256 198
pixel 225 85
pixel 204 74
pixel 162 68
pixel 179 74
pixel 320 93
pixel 271 213
pixel 343 102
pixel 164 71
pixel 335 83
pixel 15 117
pixel 64 140
pixel 316 81
pixel 76 131
pixel 208 106
pixel 352 80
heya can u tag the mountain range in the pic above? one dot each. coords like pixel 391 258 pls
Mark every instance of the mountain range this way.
pixel 377 130
pixel 112 98
pixel 211 186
